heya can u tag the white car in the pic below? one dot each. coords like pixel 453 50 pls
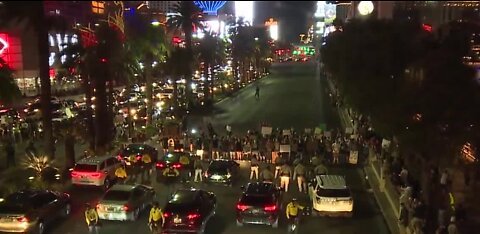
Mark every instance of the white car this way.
pixel 125 202
pixel 96 171
pixel 330 196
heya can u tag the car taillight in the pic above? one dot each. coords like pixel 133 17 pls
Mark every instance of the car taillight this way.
pixel 241 207
pixel 177 165
pixel 160 165
pixel 166 215
pixel 125 208
pixel 95 174
pixel 66 195
pixel 98 206
pixel 75 174
pixel 139 157
pixel 193 216
pixel 206 174
pixel 119 157
pixel 22 219
pixel 270 208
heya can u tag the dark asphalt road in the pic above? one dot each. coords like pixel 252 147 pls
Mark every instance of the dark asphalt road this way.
pixel 292 96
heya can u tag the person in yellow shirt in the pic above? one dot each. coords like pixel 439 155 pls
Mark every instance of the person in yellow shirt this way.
pixel 185 172
pixel 146 165
pixel 155 219
pixel 121 174
pixel 292 210
pixel 91 217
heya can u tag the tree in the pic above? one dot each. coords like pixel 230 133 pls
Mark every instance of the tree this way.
pixel 151 45
pixel 34 15
pixel 9 91
pixel 176 67
pixel 211 52
pixel 186 19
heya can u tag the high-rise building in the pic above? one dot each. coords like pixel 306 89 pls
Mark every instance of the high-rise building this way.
pixel 165 7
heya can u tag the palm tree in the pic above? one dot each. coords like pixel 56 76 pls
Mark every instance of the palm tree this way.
pixel 242 47
pixel 150 43
pixel 186 19
pixel 211 53
pixel 176 67
pixel 9 91
pixel 34 15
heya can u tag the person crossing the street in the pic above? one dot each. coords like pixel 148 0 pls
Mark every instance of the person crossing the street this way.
pixel 185 172
pixel 254 167
pixel 91 218
pixel 292 210
pixel 278 165
pixel 285 174
pixel 299 173
pixel 198 169
pixel 121 174
pixel 146 165
pixel 155 219
pixel 266 175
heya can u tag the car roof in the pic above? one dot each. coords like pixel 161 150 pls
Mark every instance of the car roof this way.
pixel 123 187
pixel 94 160
pixel 331 181
pixel 189 193
pixel 259 188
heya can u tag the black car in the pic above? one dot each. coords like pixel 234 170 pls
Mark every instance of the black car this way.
pixel 32 211
pixel 137 150
pixel 172 159
pixel 188 211
pixel 223 171
pixel 260 203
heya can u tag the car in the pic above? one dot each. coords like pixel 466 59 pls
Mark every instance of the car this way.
pixel 330 196
pixel 95 171
pixel 138 150
pixel 172 159
pixel 33 211
pixel 222 171
pixel 125 202
pixel 188 211
pixel 260 203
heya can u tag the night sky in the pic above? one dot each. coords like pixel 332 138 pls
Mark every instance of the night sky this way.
pixel 292 16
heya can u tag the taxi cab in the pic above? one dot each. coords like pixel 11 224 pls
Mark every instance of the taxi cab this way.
pixel 330 196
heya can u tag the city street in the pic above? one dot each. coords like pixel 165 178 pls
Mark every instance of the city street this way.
pixel 292 96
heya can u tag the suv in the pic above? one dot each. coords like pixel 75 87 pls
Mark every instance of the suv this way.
pixel 137 150
pixel 32 211
pixel 260 203
pixel 96 171
pixel 330 196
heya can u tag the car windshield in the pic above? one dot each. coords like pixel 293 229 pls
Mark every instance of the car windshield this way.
pixel 333 192
pixel 218 167
pixel 85 168
pixel 257 200
pixel 115 195
pixel 172 157
pixel 134 149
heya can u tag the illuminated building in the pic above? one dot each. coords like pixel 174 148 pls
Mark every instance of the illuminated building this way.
pixel 210 7
pixel 272 27
pixel 245 10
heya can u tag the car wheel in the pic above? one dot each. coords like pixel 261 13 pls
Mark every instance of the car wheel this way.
pixel 40 227
pixel 67 210
pixel 275 224
pixel 239 224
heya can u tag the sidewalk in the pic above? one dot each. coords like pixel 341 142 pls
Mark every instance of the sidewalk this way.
pixel 386 198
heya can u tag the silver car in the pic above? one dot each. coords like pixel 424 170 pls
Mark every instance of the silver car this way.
pixel 125 202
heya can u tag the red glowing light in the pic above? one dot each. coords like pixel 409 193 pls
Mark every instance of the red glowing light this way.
pixel 3 45
pixel 427 27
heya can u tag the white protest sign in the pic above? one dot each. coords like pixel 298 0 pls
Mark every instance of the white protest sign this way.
pixel 284 148
pixel 266 130
pixel 308 130
pixel 353 158
pixel 348 130
pixel 385 143
pixel 287 132
pixel 318 131
pixel 353 136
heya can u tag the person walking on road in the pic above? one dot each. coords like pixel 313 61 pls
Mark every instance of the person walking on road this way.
pixel 254 167
pixel 299 173
pixel 285 174
pixel 257 92
pixel 336 152
pixel 266 175
pixel 198 170
pixel 91 218
pixel 121 174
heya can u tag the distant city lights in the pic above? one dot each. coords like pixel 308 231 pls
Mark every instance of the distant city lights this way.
pixel 244 9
